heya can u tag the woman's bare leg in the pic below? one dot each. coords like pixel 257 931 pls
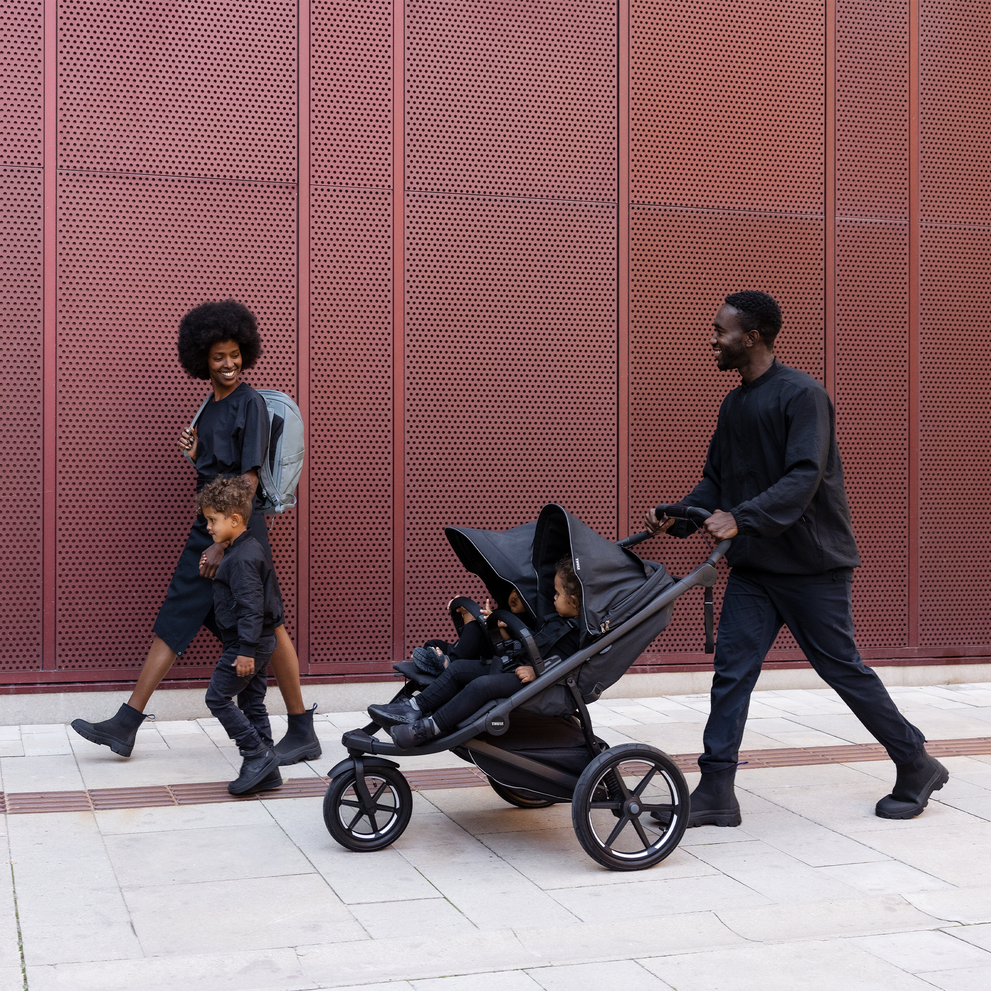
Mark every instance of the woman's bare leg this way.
pixel 157 665
pixel 285 667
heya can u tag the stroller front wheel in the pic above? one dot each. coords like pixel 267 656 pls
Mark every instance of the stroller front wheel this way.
pixel 370 812
pixel 612 806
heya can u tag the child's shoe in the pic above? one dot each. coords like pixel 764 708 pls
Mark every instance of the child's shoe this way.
pixel 259 772
pixel 410 735
pixel 389 715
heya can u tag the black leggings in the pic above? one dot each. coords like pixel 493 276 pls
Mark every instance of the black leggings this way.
pixel 463 688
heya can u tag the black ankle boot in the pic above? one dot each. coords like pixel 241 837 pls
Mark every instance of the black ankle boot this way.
pixel 410 735
pixel 300 741
pixel 259 772
pixel 117 733
pixel 713 803
pixel 390 715
pixel 914 783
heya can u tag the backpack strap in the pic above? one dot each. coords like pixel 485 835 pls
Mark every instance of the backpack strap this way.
pixel 192 424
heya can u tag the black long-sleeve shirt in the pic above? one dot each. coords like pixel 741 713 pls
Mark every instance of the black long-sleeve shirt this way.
pixel 246 596
pixel 774 464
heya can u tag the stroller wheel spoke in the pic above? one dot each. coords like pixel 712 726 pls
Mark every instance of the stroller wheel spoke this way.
pixel 646 781
pixel 638 826
pixel 614 835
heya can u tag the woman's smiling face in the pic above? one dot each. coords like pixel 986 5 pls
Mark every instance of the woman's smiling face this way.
pixel 224 362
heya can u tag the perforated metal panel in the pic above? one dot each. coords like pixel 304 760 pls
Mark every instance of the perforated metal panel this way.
pixel 728 103
pixel 872 416
pixel 351 440
pixel 955 424
pixel 21 96
pixel 954 96
pixel 21 350
pixel 872 108
pixel 351 54
pixel 204 89
pixel 512 97
pixel 510 377
pixel 682 265
pixel 134 255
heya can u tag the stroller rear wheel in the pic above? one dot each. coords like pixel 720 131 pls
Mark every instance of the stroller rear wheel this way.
pixel 520 798
pixel 612 806
pixel 370 812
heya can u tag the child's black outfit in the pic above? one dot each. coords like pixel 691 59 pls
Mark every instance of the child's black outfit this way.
pixel 248 608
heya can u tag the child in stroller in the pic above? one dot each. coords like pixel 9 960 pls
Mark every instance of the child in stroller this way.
pixel 467 684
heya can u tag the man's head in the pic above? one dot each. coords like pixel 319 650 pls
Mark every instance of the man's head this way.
pixel 744 329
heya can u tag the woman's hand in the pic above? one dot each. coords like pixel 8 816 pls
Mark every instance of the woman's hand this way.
pixel 189 441
pixel 526 674
pixel 210 560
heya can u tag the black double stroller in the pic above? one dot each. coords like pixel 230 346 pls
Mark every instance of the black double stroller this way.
pixel 629 803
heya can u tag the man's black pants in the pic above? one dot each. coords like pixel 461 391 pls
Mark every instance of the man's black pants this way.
pixel 818 611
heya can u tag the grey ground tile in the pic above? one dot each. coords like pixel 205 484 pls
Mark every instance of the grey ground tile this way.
pixel 553 858
pixel 592 942
pixel 58 773
pixel 626 974
pixel 772 873
pixel 811 966
pixel 953 724
pixel 100 768
pixel 385 920
pixel 971 905
pixel 885 877
pixel 10 956
pixel 507 980
pixel 411 958
pixel 10 748
pixel 385 986
pixel 175 817
pixel 979 935
pixel 921 951
pixel 673 738
pixel 659 896
pixel 787 733
pixel 210 854
pixel 247 970
pixel 615 735
pixel 967 979
pixel 806 841
pixel 845 726
pixel 850 917
pixel 490 892
pixel 481 811
pixel 45 741
pixel 954 852
pixel 228 916
pixel 381 876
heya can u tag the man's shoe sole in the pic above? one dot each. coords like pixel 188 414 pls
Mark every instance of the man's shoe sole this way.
pixel 724 817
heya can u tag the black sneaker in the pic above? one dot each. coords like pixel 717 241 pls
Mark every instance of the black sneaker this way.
pixel 259 772
pixel 389 715
pixel 410 735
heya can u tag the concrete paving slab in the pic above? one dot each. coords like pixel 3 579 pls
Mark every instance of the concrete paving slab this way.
pixel 508 980
pixel 979 935
pixel 923 951
pixel 970 905
pixel 177 817
pixel 626 974
pixel 481 810
pixel 885 877
pixel 227 916
pixel 59 773
pixel 395 919
pixel 812 966
pixel 968 979
pixel 99 768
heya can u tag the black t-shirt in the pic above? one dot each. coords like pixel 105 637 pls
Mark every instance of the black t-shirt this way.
pixel 233 436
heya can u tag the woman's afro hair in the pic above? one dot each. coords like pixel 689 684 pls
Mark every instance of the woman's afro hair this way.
pixel 209 324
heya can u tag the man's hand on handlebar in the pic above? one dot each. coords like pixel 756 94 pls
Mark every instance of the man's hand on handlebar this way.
pixel 655 525
pixel 721 525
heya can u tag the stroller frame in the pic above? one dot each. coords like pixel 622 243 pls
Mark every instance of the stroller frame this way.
pixel 630 804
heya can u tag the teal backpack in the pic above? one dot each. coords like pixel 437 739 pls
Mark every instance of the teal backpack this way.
pixel 279 476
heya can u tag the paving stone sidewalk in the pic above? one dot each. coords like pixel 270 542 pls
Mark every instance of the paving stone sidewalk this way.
pixel 812 892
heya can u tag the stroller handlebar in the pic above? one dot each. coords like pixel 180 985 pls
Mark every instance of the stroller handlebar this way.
pixel 677 512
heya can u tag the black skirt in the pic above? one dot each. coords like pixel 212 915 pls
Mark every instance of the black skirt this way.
pixel 188 603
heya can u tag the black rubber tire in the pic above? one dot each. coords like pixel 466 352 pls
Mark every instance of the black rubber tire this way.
pixel 361 826
pixel 520 798
pixel 617 830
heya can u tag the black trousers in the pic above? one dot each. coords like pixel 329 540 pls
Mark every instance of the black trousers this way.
pixel 818 611
pixel 463 688
pixel 246 723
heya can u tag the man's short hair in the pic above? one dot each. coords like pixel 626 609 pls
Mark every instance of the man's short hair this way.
pixel 227 496
pixel 759 312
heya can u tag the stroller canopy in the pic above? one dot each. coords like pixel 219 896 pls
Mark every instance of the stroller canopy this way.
pixel 503 560
pixel 615 582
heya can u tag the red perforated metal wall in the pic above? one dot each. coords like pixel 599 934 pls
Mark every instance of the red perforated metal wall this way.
pixel 484 240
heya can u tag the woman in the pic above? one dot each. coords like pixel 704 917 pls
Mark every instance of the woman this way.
pixel 217 341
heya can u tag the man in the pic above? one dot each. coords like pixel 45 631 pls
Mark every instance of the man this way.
pixel 774 481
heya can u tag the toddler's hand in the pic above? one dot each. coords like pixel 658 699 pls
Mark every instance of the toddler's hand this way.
pixel 486 610
pixel 244 666
pixel 526 674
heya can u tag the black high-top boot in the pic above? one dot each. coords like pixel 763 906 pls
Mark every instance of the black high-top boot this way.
pixel 713 803
pixel 410 735
pixel 259 772
pixel 914 783
pixel 117 733
pixel 300 741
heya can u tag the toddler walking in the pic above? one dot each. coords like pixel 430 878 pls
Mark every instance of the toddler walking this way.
pixel 248 608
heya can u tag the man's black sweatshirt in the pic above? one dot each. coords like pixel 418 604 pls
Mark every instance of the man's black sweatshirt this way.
pixel 774 464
